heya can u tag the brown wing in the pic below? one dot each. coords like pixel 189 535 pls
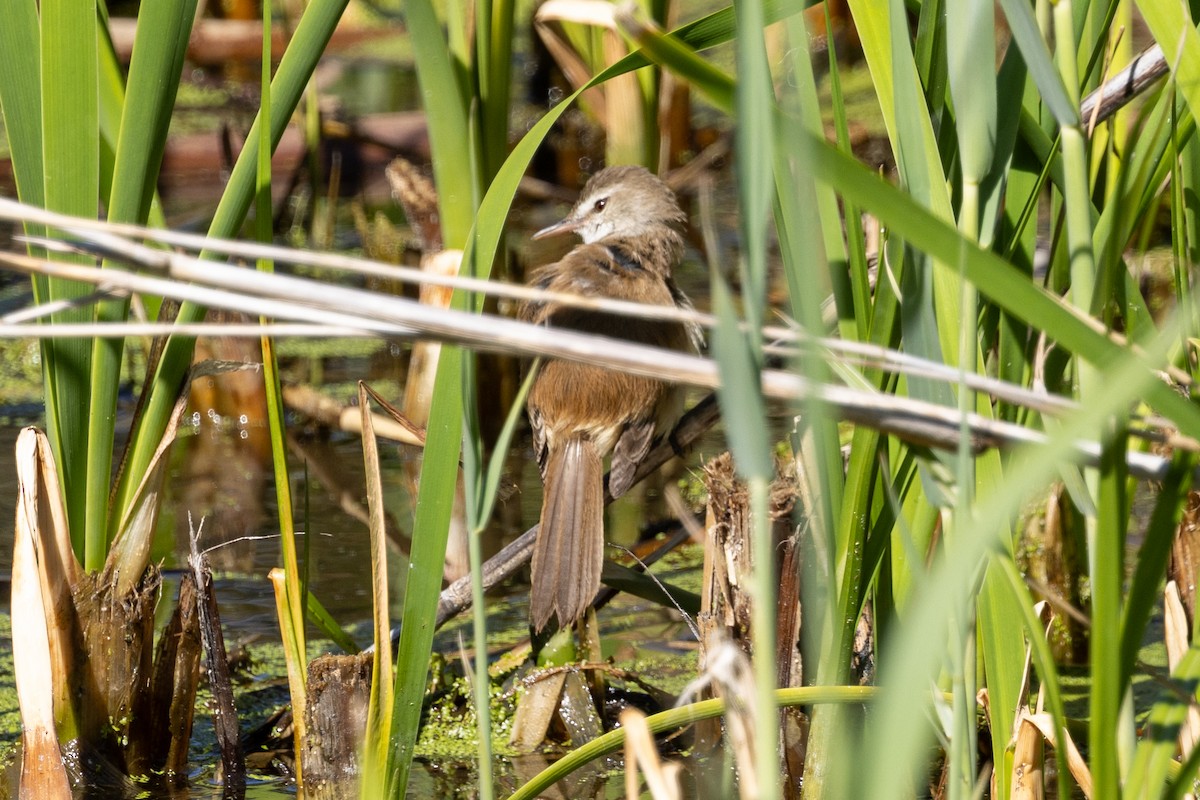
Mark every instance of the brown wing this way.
pixel 532 310
pixel 536 312
pixel 540 449
pixel 695 333
pixel 630 450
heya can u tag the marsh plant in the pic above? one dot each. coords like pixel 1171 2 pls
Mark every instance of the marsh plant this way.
pixel 996 343
pixel 997 171
pixel 87 138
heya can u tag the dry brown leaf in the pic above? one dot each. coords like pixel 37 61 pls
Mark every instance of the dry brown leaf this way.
pixel 41 579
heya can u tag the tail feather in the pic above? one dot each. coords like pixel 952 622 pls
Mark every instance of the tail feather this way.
pixel 569 550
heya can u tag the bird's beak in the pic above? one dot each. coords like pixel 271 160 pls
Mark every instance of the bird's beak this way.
pixel 565 226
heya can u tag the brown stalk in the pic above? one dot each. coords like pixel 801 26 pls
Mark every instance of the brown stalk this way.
pixel 1028 780
pixel 169 705
pixel 330 412
pixel 1028 763
pixel 725 621
pixel 225 722
pixel 573 66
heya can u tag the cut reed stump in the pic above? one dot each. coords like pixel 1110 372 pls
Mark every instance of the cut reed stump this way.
pixel 725 595
pixel 118 634
pixel 83 642
pixel 339 690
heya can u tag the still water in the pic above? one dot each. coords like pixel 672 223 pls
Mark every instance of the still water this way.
pixel 220 475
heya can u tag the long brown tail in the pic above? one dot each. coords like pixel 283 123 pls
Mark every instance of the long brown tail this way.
pixel 569 551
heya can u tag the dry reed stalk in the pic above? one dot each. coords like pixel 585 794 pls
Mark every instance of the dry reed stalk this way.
pixel 1177 635
pixel 856 352
pixel 1044 722
pixel 42 591
pixel 914 421
pixel 662 778
pixel 342 417
pixel 1028 763
pixel 225 721
pixel 1028 779
pixel 1184 565
pixel 576 70
pixel 171 700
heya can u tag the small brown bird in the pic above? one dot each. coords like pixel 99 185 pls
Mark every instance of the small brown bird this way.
pixel 629 222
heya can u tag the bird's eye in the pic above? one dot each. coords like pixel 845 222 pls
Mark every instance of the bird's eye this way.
pixel 600 204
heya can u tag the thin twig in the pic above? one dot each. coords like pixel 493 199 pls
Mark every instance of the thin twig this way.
pixel 106 240
pixel 231 330
pixel 1146 68
pixel 115 239
pixel 44 310
pixel 917 422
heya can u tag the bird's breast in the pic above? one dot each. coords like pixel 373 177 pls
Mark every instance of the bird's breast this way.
pixel 572 398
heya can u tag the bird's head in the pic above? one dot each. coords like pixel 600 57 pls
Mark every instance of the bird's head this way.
pixel 623 202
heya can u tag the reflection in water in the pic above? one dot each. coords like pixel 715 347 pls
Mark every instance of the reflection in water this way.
pixel 228 461
pixel 224 474
pixel 341 476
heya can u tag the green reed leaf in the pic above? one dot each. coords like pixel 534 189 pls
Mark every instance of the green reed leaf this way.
pixel 1054 92
pixel 446 111
pixel 308 41
pixel 145 108
pixel 71 181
